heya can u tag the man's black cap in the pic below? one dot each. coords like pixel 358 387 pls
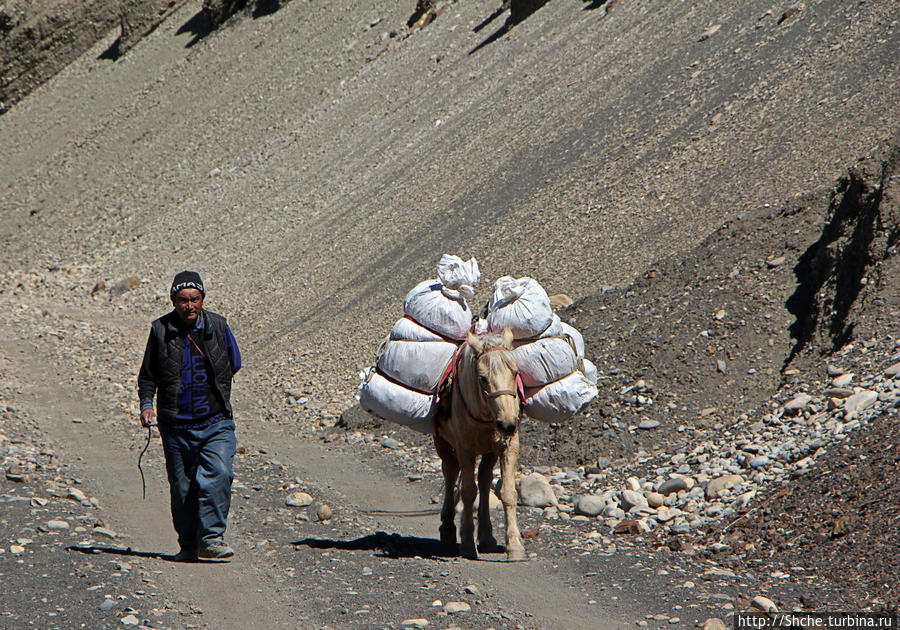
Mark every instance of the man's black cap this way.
pixel 186 280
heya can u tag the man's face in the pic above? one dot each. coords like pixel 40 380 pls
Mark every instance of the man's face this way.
pixel 188 304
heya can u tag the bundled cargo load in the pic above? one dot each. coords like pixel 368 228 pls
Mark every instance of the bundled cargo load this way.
pixel 522 304
pixel 560 400
pixel 545 360
pixel 391 401
pixel 440 305
pixel 416 364
pixel 409 363
pixel 549 353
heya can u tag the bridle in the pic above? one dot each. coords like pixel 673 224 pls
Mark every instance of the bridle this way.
pixel 453 369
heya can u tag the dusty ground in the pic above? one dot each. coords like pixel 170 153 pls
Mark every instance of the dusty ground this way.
pixel 676 168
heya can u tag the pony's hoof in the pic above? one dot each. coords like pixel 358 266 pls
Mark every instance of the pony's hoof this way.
pixel 448 536
pixel 515 555
pixel 488 546
pixel 468 551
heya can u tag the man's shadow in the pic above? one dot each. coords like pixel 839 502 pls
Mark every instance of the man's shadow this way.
pixel 121 551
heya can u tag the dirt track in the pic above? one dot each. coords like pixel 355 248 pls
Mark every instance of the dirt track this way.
pixel 313 164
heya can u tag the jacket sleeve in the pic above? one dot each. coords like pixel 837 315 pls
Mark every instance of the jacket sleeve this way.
pixel 147 381
pixel 234 354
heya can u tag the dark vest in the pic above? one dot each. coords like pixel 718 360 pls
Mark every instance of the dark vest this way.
pixel 170 339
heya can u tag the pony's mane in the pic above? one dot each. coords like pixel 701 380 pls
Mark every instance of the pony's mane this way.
pixel 497 359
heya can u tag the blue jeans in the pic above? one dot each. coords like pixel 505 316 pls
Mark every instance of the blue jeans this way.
pixel 199 466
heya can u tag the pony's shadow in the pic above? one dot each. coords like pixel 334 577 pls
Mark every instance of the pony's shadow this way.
pixel 120 551
pixel 386 546
pixel 391 546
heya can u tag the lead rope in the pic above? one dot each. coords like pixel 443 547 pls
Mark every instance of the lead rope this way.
pixel 140 457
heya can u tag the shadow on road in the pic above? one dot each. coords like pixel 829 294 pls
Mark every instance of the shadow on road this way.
pixel 121 551
pixel 199 26
pixel 389 545
pixel 594 4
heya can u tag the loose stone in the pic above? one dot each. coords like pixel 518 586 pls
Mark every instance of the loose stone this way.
pixel 654 499
pixel 535 491
pixel 763 603
pixel 717 485
pixel 859 401
pixel 629 499
pixel 797 404
pixel 843 380
pixel 589 505
pixel 452 608
pixel 676 484
pixel 299 499
pixel 57 525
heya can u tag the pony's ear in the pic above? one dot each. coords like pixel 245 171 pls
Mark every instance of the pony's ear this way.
pixel 507 338
pixel 474 342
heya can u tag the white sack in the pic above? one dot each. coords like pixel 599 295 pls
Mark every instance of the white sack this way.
pixel 407 330
pixel 395 403
pixel 577 339
pixel 545 360
pixel 459 278
pixel 418 364
pixel 553 330
pixel 590 371
pixel 522 305
pixel 428 304
pixel 560 400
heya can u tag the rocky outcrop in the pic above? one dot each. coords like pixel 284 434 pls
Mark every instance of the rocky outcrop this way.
pixel 842 270
pixel 521 9
pixel 218 11
pixel 40 38
pixel 140 17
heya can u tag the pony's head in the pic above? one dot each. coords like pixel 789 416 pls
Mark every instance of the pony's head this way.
pixel 495 374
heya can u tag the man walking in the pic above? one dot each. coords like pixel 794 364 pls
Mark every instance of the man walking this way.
pixel 189 362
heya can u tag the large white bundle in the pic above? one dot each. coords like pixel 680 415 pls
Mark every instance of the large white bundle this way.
pixel 429 304
pixel 389 401
pixel 411 361
pixel 577 339
pixel 590 371
pixel 560 400
pixel 545 360
pixel 440 305
pixel 407 330
pixel 522 305
pixel 459 278
pixel 418 364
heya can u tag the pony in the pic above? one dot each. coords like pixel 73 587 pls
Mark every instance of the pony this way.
pixel 482 420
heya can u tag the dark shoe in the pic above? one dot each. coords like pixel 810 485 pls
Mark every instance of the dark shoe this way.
pixel 216 551
pixel 185 555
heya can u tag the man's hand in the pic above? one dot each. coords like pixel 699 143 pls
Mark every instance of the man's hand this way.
pixel 147 416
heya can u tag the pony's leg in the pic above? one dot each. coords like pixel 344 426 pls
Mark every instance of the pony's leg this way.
pixel 468 490
pixel 450 468
pixel 515 550
pixel 486 540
